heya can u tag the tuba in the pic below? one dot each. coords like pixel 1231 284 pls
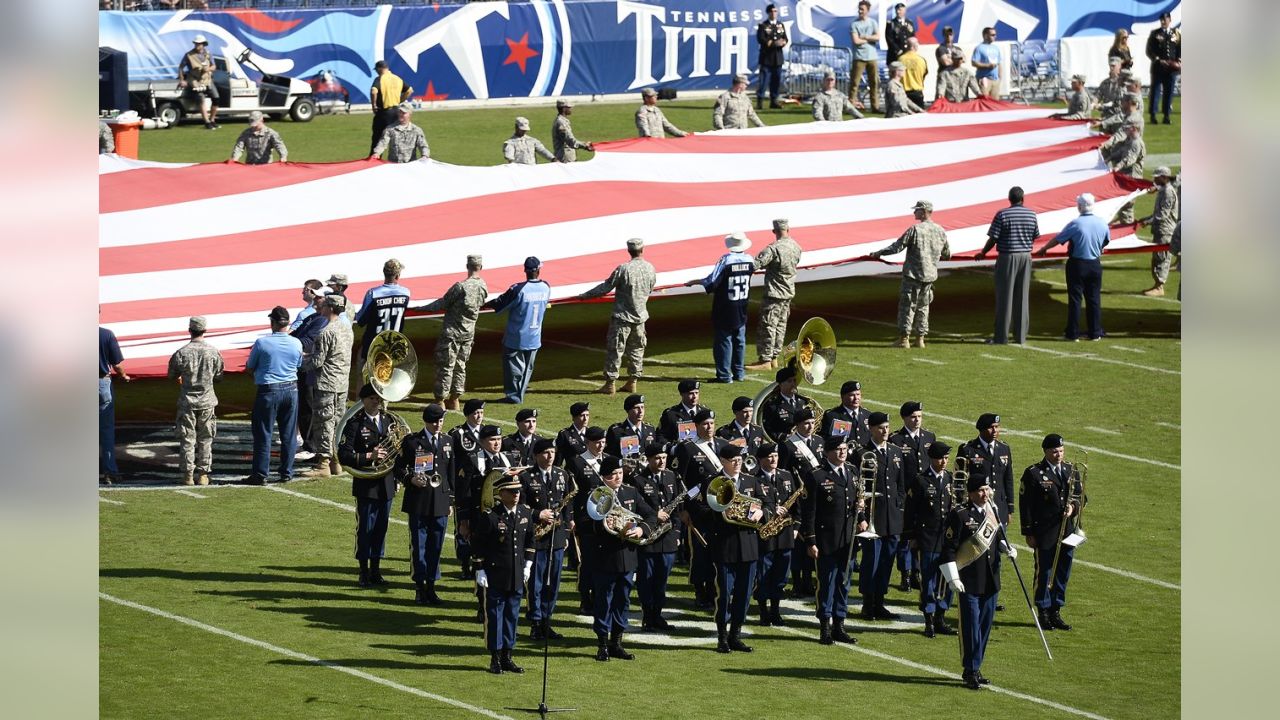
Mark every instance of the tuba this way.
pixel 603 505
pixel 813 353
pixel 867 472
pixel 732 505
pixel 391 370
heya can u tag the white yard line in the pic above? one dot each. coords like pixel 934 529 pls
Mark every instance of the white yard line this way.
pixel 188 493
pixel 1118 261
pixel 1125 348
pixel 167 488
pixel 1171 426
pixel 326 501
pixel 1115 571
pixel 995 357
pixel 303 657
pixel 929 361
pixel 1095 358
pixel 869 366
pixel 1104 431
pixel 109 502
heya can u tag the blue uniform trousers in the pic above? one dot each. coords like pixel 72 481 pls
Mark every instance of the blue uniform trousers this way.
pixel 426 542
pixel 517 370
pixel 275 405
pixel 502 613
pixel 976 614
pixel 931 582
pixel 651 580
pixel 1055 596
pixel 771 76
pixel 733 592
pixel 371 528
pixel 611 592
pixel 906 558
pixel 543 594
pixel 775 567
pixel 876 566
pixel 701 571
pixel 462 549
pixel 833 585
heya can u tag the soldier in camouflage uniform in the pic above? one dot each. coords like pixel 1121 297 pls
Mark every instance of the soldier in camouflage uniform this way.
pixel 197 365
pixel 522 147
pixel 1127 114
pixel 1110 90
pixel 404 138
pixel 649 118
pixel 778 261
pixel 106 139
pixel 631 283
pixel 1126 157
pixel 461 306
pixel 956 82
pixel 257 141
pixel 562 140
pixel 733 107
pixel 1163 219
pixel 896 101
pixel 831 104
pixel 926 244
pixel 330 360
pixel 1079 102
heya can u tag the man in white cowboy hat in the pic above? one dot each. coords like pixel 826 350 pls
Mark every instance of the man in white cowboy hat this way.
pixel 195 76
pixel 730 284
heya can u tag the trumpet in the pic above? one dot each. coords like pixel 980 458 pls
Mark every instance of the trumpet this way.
pixel 777 523
pixel 603 505
pixel 867 471
pixel 556 510
pixel 732 505
pixel 750 463
pixel 423 480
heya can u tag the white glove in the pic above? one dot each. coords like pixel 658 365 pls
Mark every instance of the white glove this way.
pixel 482 579
pixel 528 569
pixel 1009 550
pixel 951 573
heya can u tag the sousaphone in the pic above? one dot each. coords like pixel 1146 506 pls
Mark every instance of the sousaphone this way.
pixel 813 354
pixel 391 369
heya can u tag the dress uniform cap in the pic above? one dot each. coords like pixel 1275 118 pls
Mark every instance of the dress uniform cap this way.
pixel 687 386
pixel 594 433
pixel 432 413
pixel 488 431
pixel 833 442
pixel 366 390
pixel 279 314
pixel 704 415
pixel 986 420
pixel 635 243
pixel 877 418
pixel 632 401
pixel 766 449
pixel 804 414
pixel 527 414
pixel 649 92
pixel 542 445
pixel 1052 440
pixel 729 450
pixel 742 402
pixel 532 263
pixel 784 374
pixel 337 279
pixel 938 450
pixel 909 407
pixel 770 7
pixel 392 267
pixel 655 448
pixel 510 483
pixel 578 408
pixel 610 465
pixel 522 123
pixel 924 205
pixel 470 406
pixel 197 324
pixel 850 386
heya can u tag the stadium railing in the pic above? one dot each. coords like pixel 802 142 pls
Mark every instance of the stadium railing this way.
pixel 805 66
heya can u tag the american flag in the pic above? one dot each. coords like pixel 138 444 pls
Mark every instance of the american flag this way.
pixel 229 241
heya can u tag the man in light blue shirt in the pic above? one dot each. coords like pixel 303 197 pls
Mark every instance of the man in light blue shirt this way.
pixel 986 63
pixel 866 55
pixel 309 289
pixel 527 305
pixel 1085 237
pixel 274 361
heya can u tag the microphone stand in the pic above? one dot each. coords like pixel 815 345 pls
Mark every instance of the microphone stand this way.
pixel 542 710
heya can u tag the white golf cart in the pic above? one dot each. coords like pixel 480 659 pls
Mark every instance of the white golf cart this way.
pixel 274 95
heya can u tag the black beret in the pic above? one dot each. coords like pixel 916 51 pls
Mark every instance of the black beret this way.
pixel 877 418
pixel 471 406
pixel 632 401
pixel 488 431
pixel 803 414
pixel 784 374
pixel 939 450
pixel 741 402
pixel 578 408
pixel 766 449
pixel 655 448
pixel 432 413
pixel 833 442
pixel 366 391
pixel 850 386
pixel 688 386
pixel 704 415
pixel 594 433
pixel 1052 440
pixel 909 407
pixel 729 450
pixel 542 445
pixel 609 465
pixel 526 414
pixel 976 481
pixel 986 420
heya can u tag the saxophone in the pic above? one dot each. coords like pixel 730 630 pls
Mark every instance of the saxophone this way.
pixel 556 510
pixel 777 523
pixel 665 527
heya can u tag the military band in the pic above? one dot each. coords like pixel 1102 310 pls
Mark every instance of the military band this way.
pixel 663 491
pixel 676 423
pixel 993 458
pixel 1050 500
pixel 585 469
pixel 365 446
pixel 778 411
pixel 545 489
pixel 628 439
pixel 831 514
pixel 466 440
pixel 929 501
pixel 800 453
pixel 914 441
pixel 572 441
pixel 697 460
pixel 503 554
pixel 520 443
pixel 884 514
pixel 778 488
pixel 425 468
pixel 741 431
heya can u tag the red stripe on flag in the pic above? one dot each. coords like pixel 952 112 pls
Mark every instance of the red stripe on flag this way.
pixel 982 104
pixel 154 187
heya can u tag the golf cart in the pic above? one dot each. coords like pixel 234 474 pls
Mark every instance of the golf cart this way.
pixel 238 95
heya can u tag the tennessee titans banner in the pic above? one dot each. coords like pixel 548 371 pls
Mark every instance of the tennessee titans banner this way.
pixel 543 48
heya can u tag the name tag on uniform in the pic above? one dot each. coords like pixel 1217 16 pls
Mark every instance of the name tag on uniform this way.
pixel 629 445
pixel 841 428
pixel 424 462
pixel 686 431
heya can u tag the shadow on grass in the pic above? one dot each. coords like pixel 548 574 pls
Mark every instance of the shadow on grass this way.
pixel 826 673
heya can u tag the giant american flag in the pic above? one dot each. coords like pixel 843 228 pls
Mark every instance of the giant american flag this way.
pixel 231 241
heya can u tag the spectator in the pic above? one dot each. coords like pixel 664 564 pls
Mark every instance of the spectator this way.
pixel 1120 50
pixel 527 302
pixel 1164 49
pixel 110 360
pixel 733 110
pixel 986 61
pixel 916 71
pixel 926 244
pixel 309 291
pixel 197 366
pixel 385 96
pixel 771 36
pixel 406 141
pixel 896 101
pixel 866 56
pixel 257 141
pixel 1085 236
pixel 383 306
pixel 650 121
pixel 522 148
pixel 730 284
pixel 1012 232
pixel 274 362
pixel 898 31
pixel 195 75
pixel 831 104
pixel 562 139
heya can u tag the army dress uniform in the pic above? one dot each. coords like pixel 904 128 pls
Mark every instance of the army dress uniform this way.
pixel 360 438
pixel 406 142
pixel 199 365
pixel 546 490
pixel 658 489
pixel 929 501
pixel 733 110
pixel 828 521
pixel 778 413
pixel 776 553
pixel 627 441
pixel 697 462
pixel 876 565
pixel 256 144
pixel 631 282
pixel 1045 492
pixel 979 583
pixel 521 446
pixel 995 462
pixel 778 260
pixel 914 462
pixel 461 306
pixel 426 459
pixel 466 440
pixel 524 150
pixel 584 468
pixel 926 244
pixel 570 443
pixel 749 438
pixel 503 544
pixel 848 423
pixel 801 456
pixel 564 143
pixel 676 423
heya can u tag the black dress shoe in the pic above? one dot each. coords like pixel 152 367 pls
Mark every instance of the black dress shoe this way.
pixel 363 581
pixel 971 681
pixel 509 665
pixel 420 595
pixel 915 579
pixel 736 644
pixel 982 680
pixel 905 583
pixel 375 578
pixel 839 635
pixel 824 633
pixel 431 597
pixel 602 652
pixel 616 650
pixel 495 665
pixel 254 480
pixel 550 632
pixel 1055 619
pixel 722 645
pixel 940 625
pixel 660 622
pixel 882 613
pixel 536 632
pixel 1046 624
pixel 928 626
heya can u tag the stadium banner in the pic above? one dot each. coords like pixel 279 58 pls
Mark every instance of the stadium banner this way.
pixel 546 48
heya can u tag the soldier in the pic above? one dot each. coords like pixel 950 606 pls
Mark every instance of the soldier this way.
pixel 830 515
pixel 258 141
pixel 1110 89
pixel 800 453
pixel 363 447
pixel 461 306
pixel 477 464
pixel 585 469
pixel 1126 157
pixel 520 443
pixel 926 244
pixel 562 139
pixel 631 283
pixel 571 441
pixel 1128 113
pixel 383 306
pixel 778 260
pixel 848 419
pixel 521 147
pixel 733 109
pixel 697 461
pixel 650 122
pixel 1164 50
pixel 338 283
pixel 197 366
pixel 898 33
pixel 426 469
pixel 734 549
pixel 914 441
pixel 776 487
pixel 195 76
pixel 1050 495
pixel 406 141
pixel 890 490
pixel 659 487
pixel 465 437
pixel 929 501
pixel 778 411
pixel 106 139
pixel 771 37
pixel 676 423
pixel 1163 219
pixel 545 490
pixel 385 96
pixel 896 101
pixel 1079 102
pixel 957 83
pixel 995 460
pixel 526 303
pixel 831 104
pixel 330 361
pixel 742 432
pixel 504 560
pixel 629 438
pixel 612 562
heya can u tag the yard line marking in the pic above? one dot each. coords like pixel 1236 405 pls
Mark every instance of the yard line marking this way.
pixel 1126 349
pixel 1115 571
pixel 1095 358
pixel 583 382
pixel 1171 426
pixel 294 654
pixel 885 323
pixel 943 673
pixel 166 488
pixel 1104 431
pixel 326 501
pixel 869 366
pixel 927 360
pixel 995 357
pixel 1124 294
pixel 188 493
pixel 1118 261
pixel 112 502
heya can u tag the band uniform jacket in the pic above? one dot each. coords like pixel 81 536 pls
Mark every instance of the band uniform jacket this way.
pixel 478 464
pixel 692 463
pixel 892 486
pixel 669 422
pixel 625 430
pixel 501 544
pixel 857 420
pixel 522 448
pixel 544 490
pixel 751 437
pixel 430 457
pixel 1043 498
pixel 730 543
pixel 569 444
pixel 609 553
pixel 775 490
pixel 360 437
pixel 980 576
pixel 587 476
pixel 796 461
pixel 998 467
pixel 829 511
pixel 914 457
pixel 659 490
pixel 778 414
pixel 465 442
pixel 929 500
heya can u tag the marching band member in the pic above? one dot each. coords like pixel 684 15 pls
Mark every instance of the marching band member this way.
pixel 544 489
pixel 488 456
pixel 698 462
pixel 571 441
pixel 676 423
pixel 503 546
pixel 876 564
pixel 521 441
pixel 830 515
pixel 929 500
pixel 778 411
pixel 742 432
pixel 629 438
pixel 425 455
pixel 362 448
pixel 659 487
pixel 913 440
pixel 585 469
pixel 987 451
pixel 776 486
pixel 849 418
pixel 800 454
pixel 1050 495
pixel 466 438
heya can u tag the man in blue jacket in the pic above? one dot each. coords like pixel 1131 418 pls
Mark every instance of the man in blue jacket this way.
pixel 527 304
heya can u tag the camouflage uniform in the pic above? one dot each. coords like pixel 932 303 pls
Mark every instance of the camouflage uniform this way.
pixel 926 244
pixel 1164 218
pixel 958 84
pixel 106 139
pixel 631 282
pixel 259 143
pixel 461 306
pixel 562 139
pixel 778 260
pixel 1079 106
pixel 330 359
pixel 832 105
pixel 521 150
pixel 652 123
pixel 1126 157
pixel 404 140
pixel 1114 124
pixel 896 101
pixel 1109 92
pixel 199 365
pixel 733 110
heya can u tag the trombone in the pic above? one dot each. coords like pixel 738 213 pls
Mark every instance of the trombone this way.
pixel 813 353
pixel 960 480
pixel 1076 498
pixel 867 472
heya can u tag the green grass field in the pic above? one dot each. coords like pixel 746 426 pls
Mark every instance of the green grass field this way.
pixel 264 618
